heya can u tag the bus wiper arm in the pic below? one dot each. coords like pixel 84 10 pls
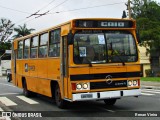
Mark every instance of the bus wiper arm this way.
pixel 117 55
pixel 89 62
pixel 123 63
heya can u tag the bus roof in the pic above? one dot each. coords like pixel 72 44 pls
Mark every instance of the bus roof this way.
pixel 58 26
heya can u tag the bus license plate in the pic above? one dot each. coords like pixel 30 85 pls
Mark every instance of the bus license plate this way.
pixel 87 96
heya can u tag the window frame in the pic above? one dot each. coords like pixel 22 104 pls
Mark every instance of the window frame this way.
pixel 33 46
pixel 54 43
pixel 25 48
pixel 20 49
pixel 42 45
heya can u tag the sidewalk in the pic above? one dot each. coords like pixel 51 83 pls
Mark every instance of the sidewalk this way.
pixel 150 85
pixel 3 77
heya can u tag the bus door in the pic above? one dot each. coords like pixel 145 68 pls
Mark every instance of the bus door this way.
pixel 64 67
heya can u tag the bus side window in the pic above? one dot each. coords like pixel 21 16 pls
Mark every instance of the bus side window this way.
pixel 26 48
pixel 43 46
pixel 34 46
pixel 20 50
pixel 54 43
pixel 34 52
pixel 42 51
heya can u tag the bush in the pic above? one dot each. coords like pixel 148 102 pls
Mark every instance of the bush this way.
pixel 149 73
pixel 158 74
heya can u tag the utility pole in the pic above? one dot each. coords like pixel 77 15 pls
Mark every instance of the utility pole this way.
pixel 129 9
pixel 128 4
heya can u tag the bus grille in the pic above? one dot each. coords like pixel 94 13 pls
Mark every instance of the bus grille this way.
pixel 102 85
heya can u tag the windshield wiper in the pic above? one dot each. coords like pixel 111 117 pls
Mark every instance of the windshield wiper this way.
pixel 123 63
pixel 89 62
pixel 117 55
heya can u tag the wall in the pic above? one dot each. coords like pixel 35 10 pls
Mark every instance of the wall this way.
pixel 5 64
pixel 144 59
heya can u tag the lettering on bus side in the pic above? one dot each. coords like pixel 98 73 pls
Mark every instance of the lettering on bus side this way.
pixel 26 67
pixel 32 68
pixel 29 68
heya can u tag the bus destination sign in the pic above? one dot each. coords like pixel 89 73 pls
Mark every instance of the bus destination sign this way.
pixel 112 24
pixel 104 24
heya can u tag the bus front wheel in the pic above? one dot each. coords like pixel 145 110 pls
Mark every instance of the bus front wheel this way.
pixel 58 99
pixel 9 78
pixel 110 101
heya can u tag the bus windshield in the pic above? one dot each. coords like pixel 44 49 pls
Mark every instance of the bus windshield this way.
pixel 104 47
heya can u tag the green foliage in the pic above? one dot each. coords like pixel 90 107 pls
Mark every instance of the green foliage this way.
pixel 4 46
pixel 153 79
pixel 22 31
pixel 148 72
pixel 6 29
pixel 146 13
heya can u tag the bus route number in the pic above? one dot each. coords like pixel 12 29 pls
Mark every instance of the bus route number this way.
pixel 112 24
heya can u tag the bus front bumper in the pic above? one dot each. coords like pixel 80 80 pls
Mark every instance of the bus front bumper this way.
pixel 105 95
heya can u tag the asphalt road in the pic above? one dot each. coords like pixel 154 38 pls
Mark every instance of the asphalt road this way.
pixel 125 108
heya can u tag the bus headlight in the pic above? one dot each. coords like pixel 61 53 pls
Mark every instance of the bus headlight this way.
pixel 79 86
pixel 133 83
pixel 130 83
pixel 85 86
pixel 82 86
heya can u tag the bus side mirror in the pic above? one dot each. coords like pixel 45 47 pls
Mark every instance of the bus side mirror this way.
pixel 70 38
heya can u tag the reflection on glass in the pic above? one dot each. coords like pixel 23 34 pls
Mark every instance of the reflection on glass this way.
pixel 106 47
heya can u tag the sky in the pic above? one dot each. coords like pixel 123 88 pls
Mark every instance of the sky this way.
pixel 59 11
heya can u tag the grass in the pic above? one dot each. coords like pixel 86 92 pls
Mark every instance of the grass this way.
pixel 153 79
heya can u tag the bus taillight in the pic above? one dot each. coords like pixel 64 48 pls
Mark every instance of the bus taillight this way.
pixel 73 86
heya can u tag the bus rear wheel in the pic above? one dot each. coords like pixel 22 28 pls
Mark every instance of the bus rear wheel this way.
pixel 58 99
pixel 26 92
pixel 110 101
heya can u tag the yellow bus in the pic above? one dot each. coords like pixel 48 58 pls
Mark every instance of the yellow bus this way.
pixel 80 60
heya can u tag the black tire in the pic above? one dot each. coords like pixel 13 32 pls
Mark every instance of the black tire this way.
pixel 8 78
pixel 59 101
pixel 110 101
pixel 26 92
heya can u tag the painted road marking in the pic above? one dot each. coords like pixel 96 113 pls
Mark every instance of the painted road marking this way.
pixel 28 100
pixel 4 118
pixel 7 85
pixel 7 101
pixel 151 91
pixel 9 93
pixel 146 94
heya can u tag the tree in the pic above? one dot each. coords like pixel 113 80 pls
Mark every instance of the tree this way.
pixel 6 29
pixel 4 46
pixel 146 13
pixel 22 31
